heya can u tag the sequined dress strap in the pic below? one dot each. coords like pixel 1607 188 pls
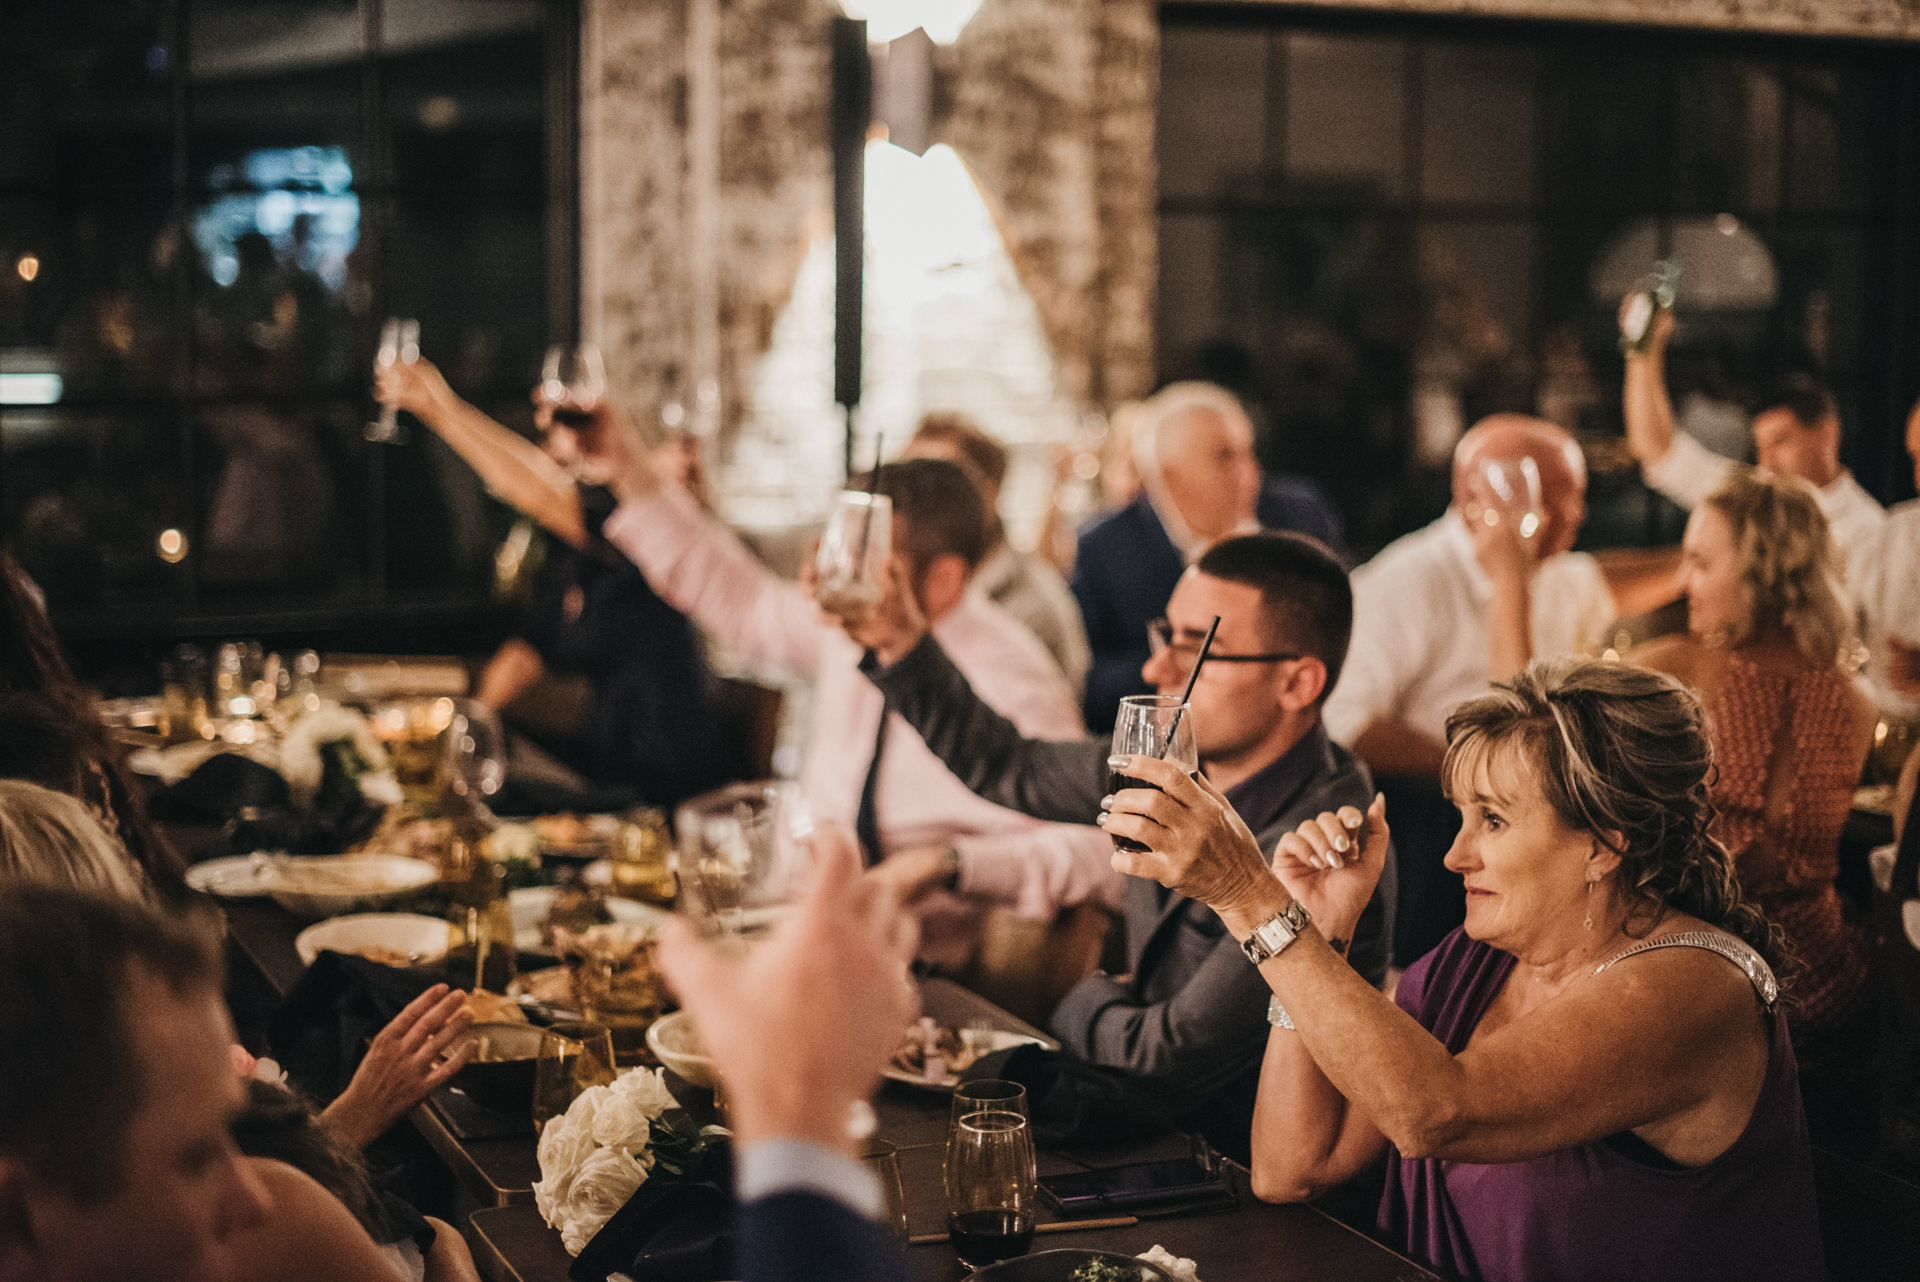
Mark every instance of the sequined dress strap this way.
pixel 1713 941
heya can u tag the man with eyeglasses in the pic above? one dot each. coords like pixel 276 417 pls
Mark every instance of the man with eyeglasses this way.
pixel 1190 1013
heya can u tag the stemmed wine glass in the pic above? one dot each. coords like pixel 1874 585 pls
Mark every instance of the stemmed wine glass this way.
pixel 992 1173
pixel 399 345
pixel 476 752
pixel 1151 725
pixel 573 380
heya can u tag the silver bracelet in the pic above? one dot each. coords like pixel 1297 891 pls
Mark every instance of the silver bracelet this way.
pixel 1277 1014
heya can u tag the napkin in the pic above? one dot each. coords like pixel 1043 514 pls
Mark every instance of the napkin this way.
pixel 1181 1268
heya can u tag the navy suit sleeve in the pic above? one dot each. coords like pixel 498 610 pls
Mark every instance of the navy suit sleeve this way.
pixel 804 1237
pixel 1291 503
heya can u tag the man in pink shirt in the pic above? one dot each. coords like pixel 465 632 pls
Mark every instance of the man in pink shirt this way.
pixel 994 854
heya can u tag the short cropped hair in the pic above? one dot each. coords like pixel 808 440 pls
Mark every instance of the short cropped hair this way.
pixel 69 1067
pixel 1303 586
pixel 986 455
pixel 1803 396
pixel 943 511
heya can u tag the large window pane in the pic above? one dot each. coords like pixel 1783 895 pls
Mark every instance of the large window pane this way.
pixel 1212 109
pixel 1345 121
pixel 87 94
pixel 1726 135
pixel 1478 114
pixel 89 495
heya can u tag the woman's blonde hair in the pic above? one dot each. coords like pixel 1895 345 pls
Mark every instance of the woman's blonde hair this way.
pixel 1622 755
pixel 1789 570
pixel 52 838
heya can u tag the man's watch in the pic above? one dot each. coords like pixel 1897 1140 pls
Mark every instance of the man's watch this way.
pixel 1272 936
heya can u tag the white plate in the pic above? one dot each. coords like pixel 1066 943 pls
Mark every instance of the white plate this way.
pixel 1002 1039
pixel 237 877
pixel 324 885
pixel 422 938
pixel 531 904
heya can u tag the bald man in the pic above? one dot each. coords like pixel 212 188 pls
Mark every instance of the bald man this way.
pixel 1444 611
pixel 1200 483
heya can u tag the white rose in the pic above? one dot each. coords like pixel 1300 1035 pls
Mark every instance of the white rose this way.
pixel 550 1198
pixel 564 1145
pixel 602 1186
pixel 585 1106
pixel 647 1089
pixel 621 1123
pixel 575 1234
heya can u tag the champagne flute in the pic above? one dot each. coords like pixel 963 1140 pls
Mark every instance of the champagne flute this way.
pixel 399 345
pixel 854 551
pixel 573 381
pixel 991 1178
pixel 1151 725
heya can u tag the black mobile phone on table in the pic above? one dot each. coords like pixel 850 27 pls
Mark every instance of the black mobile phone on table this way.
pixel 1139 1186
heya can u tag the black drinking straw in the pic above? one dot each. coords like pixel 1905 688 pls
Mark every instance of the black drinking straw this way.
pixel 1205 645
pixel 866 518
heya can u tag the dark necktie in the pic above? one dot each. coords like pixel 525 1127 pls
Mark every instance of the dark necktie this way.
pixel 866 823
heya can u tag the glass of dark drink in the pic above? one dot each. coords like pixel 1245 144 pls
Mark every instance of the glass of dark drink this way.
pixel 1151 725
pixel 991 1175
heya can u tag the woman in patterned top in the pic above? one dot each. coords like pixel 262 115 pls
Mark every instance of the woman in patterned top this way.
pixel 1768 631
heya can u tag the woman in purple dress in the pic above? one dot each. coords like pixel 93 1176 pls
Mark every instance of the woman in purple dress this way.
pixel 1592 1078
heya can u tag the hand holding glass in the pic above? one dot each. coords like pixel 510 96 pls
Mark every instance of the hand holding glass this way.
pixel 1151 725
pixel 573 381
pixel 854 551
pixel 399 345
pixel 738 848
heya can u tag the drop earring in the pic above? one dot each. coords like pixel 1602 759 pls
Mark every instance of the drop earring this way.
pixel 1589 922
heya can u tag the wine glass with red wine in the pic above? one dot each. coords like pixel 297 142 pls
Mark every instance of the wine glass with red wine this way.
pixel 1151 725
pixel 991 1178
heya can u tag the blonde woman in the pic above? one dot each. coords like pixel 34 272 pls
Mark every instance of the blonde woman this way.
pixel 52 838
pixel 1767 632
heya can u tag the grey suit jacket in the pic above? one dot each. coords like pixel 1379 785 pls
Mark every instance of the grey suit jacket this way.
pixel 1193 1014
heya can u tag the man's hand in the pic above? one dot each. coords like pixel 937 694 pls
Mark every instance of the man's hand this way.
pixel 913 874
pixel 1659 328
pixel 403 1066
pixel 801 1025
pixel 612 453
pixel 1502 551
pixel 893 627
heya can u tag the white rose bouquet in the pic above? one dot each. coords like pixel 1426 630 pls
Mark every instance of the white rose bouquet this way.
pixel 608 1143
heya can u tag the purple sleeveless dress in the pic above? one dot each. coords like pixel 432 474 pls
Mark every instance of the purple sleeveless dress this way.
pixel 1593 1213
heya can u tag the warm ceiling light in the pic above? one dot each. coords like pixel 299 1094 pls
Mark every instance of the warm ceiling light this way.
pixel 888 20
pixel 28 267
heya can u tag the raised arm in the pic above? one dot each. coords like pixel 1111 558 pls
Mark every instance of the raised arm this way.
pixel 1610 1053
pixel 1644 401
pixel 514 468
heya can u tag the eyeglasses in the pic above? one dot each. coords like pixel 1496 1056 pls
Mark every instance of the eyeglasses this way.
pixel 1160 638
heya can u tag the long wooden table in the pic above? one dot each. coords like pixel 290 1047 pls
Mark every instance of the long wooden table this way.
pixel 1253 1242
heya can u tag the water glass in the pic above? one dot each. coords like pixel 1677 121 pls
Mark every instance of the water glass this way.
pixel 573 1057
pixel 882 1160
pixel 643 858
pixel 854 551
pixel 987 1095
pixel 1151 725
pixel 476 751
pixel 573 380
pixel 992 1174
pixel 739 848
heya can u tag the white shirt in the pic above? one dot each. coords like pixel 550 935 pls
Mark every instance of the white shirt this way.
pixel 1033 592
pixel 1889 594
pixel 1689 472
pixel 1421 643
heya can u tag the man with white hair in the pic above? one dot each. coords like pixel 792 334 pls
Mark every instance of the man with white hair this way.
pixel 1444 611
pixel 1200 483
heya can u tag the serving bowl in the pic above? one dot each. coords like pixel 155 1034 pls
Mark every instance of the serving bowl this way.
pixel 393 939
pixel 674 1042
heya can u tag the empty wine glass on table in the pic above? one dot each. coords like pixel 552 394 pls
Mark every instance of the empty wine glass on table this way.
pixel 852 561
pixel 399 345
pixel 739 848
pixel 1151 725
pixel 992 1173
pixel 573 1056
